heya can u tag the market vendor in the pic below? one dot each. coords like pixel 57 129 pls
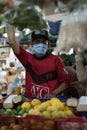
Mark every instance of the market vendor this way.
pixel 46 75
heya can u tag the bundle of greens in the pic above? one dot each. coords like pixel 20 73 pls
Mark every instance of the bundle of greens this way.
pixel 26 16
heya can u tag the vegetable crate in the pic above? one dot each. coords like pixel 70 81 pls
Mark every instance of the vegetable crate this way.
pixel 72 124
pixel 33 122
pixel 7 120
pixel 27 123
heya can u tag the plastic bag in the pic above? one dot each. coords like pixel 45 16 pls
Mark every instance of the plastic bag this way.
pixel 73 31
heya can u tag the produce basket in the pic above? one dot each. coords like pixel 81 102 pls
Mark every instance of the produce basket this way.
pixel 28 122
pixel 77 123
pixel 7 120
pixel 34 122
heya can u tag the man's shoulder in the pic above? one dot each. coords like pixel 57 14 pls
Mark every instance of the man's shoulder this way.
pixel 55 56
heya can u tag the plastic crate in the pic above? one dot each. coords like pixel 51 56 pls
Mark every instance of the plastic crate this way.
pixel 72 124
pixel 28 122
pixel 7 120
pixel 33 122
pixel 61 98
pixel 83 114
pixel 38 123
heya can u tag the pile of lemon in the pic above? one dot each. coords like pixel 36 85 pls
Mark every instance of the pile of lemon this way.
pixel 52 108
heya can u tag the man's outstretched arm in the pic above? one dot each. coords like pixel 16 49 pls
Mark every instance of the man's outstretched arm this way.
pixel 13 43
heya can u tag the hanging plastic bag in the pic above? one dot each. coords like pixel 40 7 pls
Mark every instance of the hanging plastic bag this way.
pixel 73 31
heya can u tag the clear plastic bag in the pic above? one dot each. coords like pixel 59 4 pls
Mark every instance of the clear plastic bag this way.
pixel 73 31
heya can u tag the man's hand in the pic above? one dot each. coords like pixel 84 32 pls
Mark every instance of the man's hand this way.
pixel 57 91
pixel 49 95
pixel 11 34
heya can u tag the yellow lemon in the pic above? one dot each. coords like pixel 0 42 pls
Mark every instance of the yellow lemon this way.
pixel 69 113
pixel 46 103
pixel 43 106
pixel 52 108
pixel 26 105
pixel 55 114
pixel 68 108
pixel 31 112
pixel 54 100
pixel 34 112
pixel 59 105
pixel 35 107
pixel 35 102
pixel 46 114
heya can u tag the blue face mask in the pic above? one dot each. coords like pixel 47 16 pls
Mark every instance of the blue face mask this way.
pixel 40 48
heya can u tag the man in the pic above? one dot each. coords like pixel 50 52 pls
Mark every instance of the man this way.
pixel 45 73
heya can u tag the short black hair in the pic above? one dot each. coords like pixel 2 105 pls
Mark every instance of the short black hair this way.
pixel 39 33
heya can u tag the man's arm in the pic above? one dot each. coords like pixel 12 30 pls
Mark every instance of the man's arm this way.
pixel 13 43
pixel 57 91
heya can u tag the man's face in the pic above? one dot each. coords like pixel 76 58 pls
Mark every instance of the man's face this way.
pixel 39 40
pixel 39 46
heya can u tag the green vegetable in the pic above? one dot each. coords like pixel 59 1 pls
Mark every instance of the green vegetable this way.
pixel 69 60
pixel 26 16
pixel 14 112
pixel 8 112
pixel 21 112
pixel 18 108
